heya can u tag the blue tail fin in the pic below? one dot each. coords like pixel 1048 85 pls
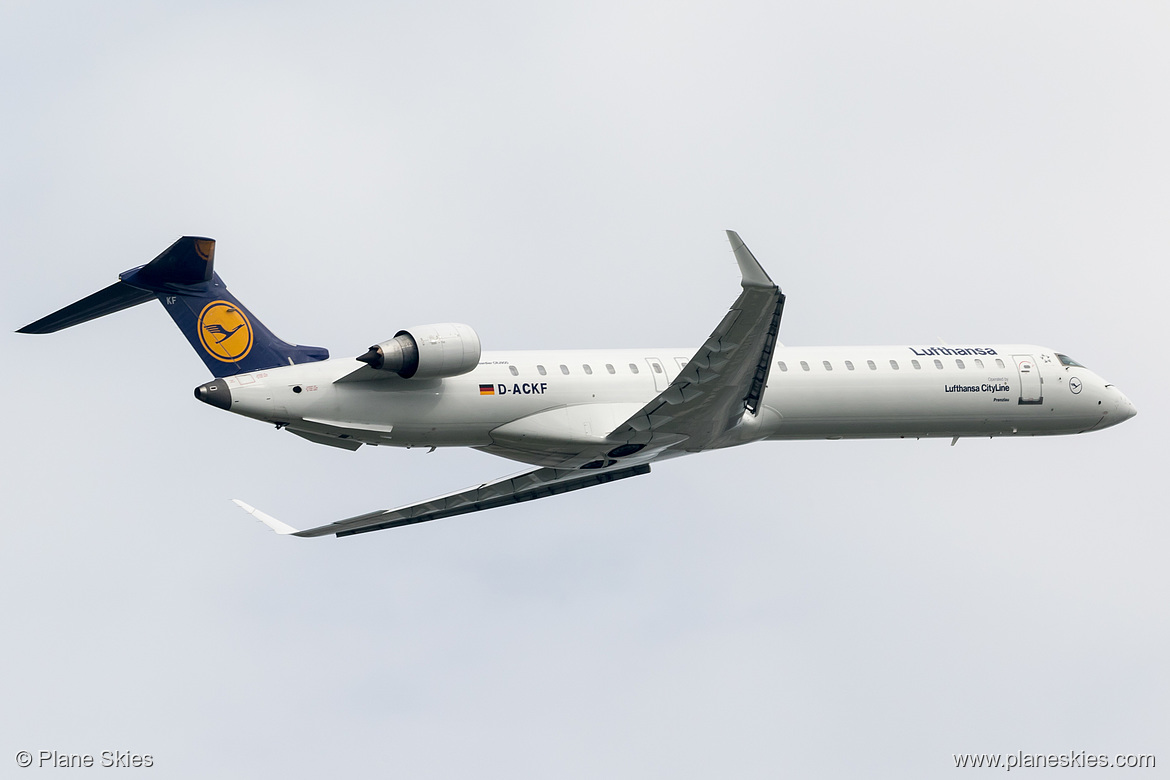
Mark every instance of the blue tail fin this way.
pixel 228 338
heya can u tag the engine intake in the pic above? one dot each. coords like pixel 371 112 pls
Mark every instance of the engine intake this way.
pixel 427 351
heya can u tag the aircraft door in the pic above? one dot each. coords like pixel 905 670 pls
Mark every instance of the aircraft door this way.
pixel 659 372
pixel 1031 383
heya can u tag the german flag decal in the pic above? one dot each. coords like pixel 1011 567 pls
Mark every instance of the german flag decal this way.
pixel 487 389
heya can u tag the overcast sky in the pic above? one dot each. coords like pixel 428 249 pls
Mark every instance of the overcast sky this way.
pixel 560 176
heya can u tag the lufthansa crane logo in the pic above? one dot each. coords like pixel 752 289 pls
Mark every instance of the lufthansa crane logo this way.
pixel 224 331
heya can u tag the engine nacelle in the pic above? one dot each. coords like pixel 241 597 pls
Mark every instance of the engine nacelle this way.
pixel 427 351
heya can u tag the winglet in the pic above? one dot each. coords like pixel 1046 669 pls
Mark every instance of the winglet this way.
pixel 268 520
pixel 753 273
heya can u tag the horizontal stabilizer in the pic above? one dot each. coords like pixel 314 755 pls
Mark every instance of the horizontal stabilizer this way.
pixel 187 263
pixel 184 265
pixel 116 297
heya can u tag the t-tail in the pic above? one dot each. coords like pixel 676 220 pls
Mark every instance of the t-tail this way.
pixel 228 338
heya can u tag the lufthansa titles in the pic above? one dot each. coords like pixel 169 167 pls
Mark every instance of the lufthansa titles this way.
pixel 927 351
pixel 986 387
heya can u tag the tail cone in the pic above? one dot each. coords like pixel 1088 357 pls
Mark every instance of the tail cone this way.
pixel 215 393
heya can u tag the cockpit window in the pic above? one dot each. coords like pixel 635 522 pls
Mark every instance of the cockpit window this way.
pixel 1065 360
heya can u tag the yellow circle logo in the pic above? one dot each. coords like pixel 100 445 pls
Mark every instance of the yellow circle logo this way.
pixel 224 331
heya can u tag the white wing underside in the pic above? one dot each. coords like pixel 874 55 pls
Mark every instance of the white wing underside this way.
pixel 718 387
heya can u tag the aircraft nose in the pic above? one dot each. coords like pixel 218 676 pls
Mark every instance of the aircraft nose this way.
pixel 1125 408
pixel 216 393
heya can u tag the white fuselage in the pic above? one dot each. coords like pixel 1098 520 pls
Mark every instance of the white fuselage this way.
pixel 541 398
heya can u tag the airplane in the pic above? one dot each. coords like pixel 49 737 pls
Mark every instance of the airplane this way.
pixel 581 418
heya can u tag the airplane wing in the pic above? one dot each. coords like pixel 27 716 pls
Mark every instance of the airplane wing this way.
pixel 726 377
pixel 525 486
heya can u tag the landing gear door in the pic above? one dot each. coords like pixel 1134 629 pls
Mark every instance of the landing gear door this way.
pixel 1031 384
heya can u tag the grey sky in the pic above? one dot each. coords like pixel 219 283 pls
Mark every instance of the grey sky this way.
pixel 561 175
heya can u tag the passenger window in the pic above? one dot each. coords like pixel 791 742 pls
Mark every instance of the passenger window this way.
pixel 828 365
pixel 894 364
pixel 999 362
pixel 872 365
pixel 540 370
pixel 937 363
pixel 609 368
pixel 515 371
pixel 633 368
pixel 804 365
pixel 978 363
pixel 783 367
pixel 849 364
pixel 657 368
pixel 588 370
pixel 960 363
pixel 916 364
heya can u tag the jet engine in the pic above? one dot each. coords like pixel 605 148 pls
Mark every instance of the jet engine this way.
pixel 427 351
